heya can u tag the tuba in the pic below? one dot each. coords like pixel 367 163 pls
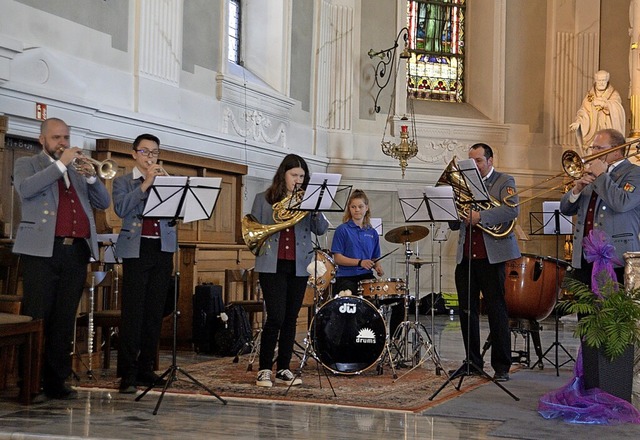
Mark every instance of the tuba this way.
pixel 464 200
pixel 255 234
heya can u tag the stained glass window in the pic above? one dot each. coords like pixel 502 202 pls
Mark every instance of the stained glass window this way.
pixel 436 43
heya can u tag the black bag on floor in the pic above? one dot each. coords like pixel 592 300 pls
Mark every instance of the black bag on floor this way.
pixel 207 306
pixel 233 336
pixel 438 304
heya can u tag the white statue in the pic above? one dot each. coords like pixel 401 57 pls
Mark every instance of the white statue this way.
pixel 601 108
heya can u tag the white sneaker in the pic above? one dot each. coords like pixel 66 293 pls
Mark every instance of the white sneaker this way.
pixel 286 377
pixel 264 378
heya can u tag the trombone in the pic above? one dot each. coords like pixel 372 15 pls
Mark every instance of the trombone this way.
pixel 573 166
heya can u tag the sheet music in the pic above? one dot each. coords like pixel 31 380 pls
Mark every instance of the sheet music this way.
pixel 315 190
pixel 165 196
pixel 441 203
pixel 474 181
pixel 201 198
pixel 376 223
pixel 414 208
pixel 548 218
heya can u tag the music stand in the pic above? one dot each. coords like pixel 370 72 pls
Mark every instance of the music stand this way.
pixel 553 223
pixel 180 197
pixel 468 173
pixel 322 194
pixel 416 207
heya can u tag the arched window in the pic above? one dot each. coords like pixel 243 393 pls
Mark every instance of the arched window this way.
pixel 436 44
pixel 233 51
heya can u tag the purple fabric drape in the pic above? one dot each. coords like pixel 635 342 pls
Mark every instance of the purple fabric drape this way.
pixel 574 404
pixel 599 251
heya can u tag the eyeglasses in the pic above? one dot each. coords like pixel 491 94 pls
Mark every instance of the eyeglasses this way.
pixel 145 152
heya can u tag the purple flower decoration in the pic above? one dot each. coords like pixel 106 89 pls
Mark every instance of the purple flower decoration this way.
pixel 599 251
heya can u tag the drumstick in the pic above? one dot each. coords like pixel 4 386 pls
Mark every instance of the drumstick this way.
pixel 385 255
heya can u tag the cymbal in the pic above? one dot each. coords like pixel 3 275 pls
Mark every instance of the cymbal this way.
pixel 405 234
pixel 417 262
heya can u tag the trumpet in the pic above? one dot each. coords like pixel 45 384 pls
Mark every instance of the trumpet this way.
pixel 161 170
pixel 88 166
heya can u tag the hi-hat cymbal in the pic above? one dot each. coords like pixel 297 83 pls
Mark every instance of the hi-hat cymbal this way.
pixel 405 234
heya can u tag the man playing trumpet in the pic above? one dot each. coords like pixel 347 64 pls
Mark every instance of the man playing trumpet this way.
pixel 146 246
pixel 56 237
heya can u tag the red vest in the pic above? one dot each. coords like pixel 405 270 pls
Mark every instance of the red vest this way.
pixel 71 220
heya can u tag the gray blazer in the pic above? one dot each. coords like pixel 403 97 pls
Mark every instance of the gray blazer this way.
pixel 128 203
pixel 267 262
pixel 617 210
pixel 498 249
pixel 36 181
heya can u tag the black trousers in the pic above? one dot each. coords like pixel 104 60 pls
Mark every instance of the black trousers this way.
pixel 283 293
pixel 52 290
pixel 489 279
pixel 350 283
pixel 584 273
pixel 145 283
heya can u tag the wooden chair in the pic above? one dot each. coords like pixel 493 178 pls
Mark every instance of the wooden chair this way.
pixel 241 287
pixel 18 330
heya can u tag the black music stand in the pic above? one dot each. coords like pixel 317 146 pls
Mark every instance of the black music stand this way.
pixel 433 204
pixel 322 194
pixel 180 197
pixel 553 223
pixel 467 172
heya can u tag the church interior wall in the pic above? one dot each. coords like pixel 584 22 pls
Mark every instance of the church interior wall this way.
pixel 280 100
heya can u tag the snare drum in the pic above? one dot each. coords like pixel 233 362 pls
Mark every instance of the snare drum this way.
pixel 348 334
pixel 384 290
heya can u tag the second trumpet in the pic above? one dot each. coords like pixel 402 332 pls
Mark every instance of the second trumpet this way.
pixel 106 169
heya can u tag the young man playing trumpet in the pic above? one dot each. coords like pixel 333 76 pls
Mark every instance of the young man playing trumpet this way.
pixel 146 246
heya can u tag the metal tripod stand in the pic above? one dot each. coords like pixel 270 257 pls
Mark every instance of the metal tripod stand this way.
pixel 411 339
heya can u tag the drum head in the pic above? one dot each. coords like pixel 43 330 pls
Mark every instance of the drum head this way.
pixel 348 335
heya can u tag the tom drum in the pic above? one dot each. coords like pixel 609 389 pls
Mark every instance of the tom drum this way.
pixel 383 291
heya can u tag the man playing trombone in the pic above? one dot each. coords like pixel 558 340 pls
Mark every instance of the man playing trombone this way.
pixel 146 246
pixel 605 197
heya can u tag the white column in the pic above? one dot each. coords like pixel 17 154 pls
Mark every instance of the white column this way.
pixel 160 40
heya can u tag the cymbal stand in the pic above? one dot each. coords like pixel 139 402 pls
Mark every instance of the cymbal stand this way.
pixel 422 346
pixel 171 372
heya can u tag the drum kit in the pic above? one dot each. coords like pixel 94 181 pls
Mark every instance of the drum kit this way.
pixel 349 334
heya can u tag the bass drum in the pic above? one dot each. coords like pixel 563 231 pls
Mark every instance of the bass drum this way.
pixel 348 335
pixel 530 286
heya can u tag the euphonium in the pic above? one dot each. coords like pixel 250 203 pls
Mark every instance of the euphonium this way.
pixel 464 200
pixel 255 234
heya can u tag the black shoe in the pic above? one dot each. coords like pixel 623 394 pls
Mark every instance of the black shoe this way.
pixel 64 392
pixel 39 398
pixel 501 377
pixel 127 387
pixel 149 378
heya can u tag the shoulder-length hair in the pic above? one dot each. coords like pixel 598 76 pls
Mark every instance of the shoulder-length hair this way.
pixel 278 189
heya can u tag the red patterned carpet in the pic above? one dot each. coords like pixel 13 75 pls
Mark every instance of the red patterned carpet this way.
pixel 410 392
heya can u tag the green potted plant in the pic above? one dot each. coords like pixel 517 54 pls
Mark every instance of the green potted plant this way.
pixel 609 327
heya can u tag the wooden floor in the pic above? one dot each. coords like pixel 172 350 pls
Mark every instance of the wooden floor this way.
pixel 484 413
